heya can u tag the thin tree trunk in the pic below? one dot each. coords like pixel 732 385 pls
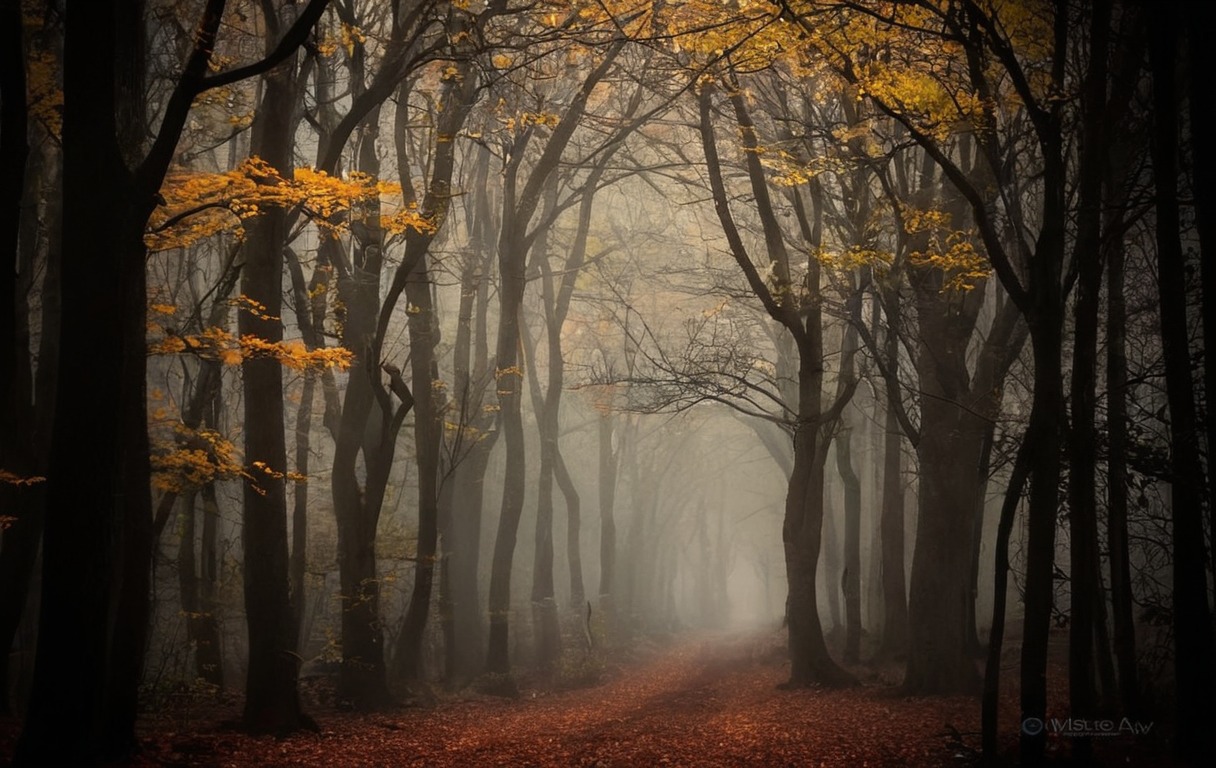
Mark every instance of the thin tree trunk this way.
pixel 851 578
pixel 1116 482
pixel 891 523
pixel 424 335
pixel 1085 585
pixel 608 464
pixel 990 706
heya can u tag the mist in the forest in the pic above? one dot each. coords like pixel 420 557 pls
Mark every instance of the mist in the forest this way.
pixel 472 382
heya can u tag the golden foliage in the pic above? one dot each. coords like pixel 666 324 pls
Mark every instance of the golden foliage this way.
pixel 184 458
pixel 9 478
pixel 201 205
pixel 946 248
pixel 220 344
pixel 853 257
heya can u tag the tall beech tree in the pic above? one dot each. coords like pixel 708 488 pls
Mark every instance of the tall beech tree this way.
pixel 467 449
pixel 272 702
pixel 514 242
pixel 97 555
pixel 804 510
pixel 460 87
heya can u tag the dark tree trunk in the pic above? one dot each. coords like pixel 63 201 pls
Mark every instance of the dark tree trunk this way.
pixel 272 703
pixel 546 631
pixel 810 661
pixel 202 625
pixel 1201 25
pixel 369 427
pixel 938 661
pixel 1000 591
pixel 509 380
pixel 948 451
pixel 832 548
pixel 574 554
pixel 1044 312
pixel 1086 586
pixel 1045 466
pixel 424 336
pixel 299 511
pixel 97 558
pixel 891 523
pixel 1116 482
pixel 24 400
pixel 97 487
pixel 802 527
pixel 894 576
pixel 1194 662
pixel 470 452
pixel 851 578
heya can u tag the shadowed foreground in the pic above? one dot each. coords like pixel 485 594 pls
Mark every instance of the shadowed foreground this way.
pixel 707 701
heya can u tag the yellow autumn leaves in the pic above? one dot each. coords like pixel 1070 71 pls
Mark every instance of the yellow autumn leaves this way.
pixel 947 248
pixel 200 205
pixel 222 345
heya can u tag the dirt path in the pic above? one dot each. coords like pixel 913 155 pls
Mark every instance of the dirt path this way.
pixel 705 702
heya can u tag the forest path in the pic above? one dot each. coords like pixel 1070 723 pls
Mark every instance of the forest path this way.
pixel 701 701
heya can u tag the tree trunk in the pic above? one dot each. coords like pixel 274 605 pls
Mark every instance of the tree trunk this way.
pixel 518 209
pixel 25 407
pixel 546 629
pixel 97 487
pixel 1194 663
pixel 1086 586
pixel 574 554
pixel 608 463
pixel 810 661
pixel 1201 24
pixel 1045 417
pixel 1116 482
pixel 424 336
pixel 272 703
pixel 851 578
pixel 299 512
pixel 938 661
pixel 202 626
pixel 471 451
pixel 894 578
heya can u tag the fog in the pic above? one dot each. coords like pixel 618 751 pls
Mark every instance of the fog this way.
pixel 468 383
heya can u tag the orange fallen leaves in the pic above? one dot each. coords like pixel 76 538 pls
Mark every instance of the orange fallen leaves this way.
pixel 697 703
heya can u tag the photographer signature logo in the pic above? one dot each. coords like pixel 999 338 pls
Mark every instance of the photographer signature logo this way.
pixel 1075 727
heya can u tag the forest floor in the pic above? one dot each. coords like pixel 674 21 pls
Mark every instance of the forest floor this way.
pixel 703 700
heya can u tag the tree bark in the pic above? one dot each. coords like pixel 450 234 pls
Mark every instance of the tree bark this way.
pixel 518 209
pixel 608 464
pixel 272 703
pixel 1116 481
pixel 1201 25
pixel 470 451
pixel 1085 588
pixel 1194 663
pixel 97 488
pixel 851 578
